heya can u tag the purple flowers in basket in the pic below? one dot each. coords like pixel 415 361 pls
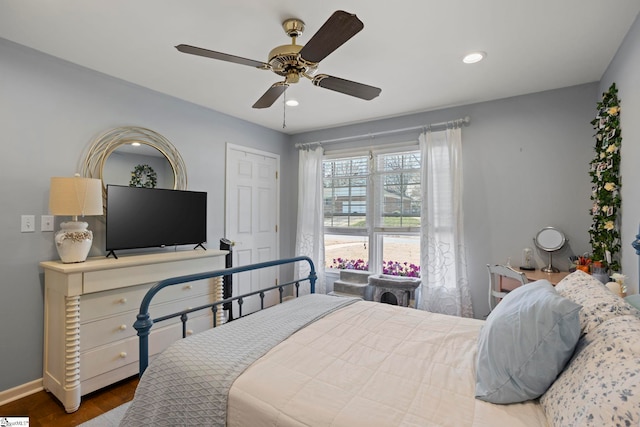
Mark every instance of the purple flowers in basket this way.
pixel 392 268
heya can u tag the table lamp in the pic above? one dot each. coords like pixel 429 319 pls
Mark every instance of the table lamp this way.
pixel 73 196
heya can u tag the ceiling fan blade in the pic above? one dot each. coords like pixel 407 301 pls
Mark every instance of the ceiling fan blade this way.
pixel 339 28
pixel 185 48
pixel 359 90
pixel 270 96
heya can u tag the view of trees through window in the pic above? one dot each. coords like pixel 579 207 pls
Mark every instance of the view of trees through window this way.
pixel 372 208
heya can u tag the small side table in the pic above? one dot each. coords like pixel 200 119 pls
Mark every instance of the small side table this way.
pixel 387 287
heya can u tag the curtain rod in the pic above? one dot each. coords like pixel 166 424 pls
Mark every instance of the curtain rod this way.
pixel 458 122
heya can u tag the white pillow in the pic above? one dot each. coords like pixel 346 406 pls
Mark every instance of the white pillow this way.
pixel 598 303
pixel 601 384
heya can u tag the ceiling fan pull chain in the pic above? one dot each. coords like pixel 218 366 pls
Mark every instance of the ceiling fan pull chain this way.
pixel 284 110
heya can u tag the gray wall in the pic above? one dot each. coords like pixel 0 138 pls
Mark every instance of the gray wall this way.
pixel 525 161
pixel 624 70
pixel 50 112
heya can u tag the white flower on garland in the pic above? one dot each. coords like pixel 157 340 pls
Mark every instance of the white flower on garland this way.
pixel 612 149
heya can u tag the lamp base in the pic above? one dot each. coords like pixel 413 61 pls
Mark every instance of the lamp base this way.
pixel 73 241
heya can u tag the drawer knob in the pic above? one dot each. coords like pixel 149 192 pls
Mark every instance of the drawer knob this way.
pixel 123 327
pixel 188 287
pixel 123 354
pixel 122 301
pixel 189 331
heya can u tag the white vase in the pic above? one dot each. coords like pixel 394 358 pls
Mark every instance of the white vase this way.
pixel 73 241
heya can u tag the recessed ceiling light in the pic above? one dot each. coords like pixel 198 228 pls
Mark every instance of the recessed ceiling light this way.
pixel 474 57
pixel 292 103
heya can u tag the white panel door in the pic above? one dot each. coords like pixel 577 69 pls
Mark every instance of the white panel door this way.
pixel 251 219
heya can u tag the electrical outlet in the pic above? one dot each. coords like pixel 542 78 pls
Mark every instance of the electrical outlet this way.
pixel 46 223
pixel 28 223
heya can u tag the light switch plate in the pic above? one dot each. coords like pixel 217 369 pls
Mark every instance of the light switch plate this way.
pixel 28 223
pixel 46 223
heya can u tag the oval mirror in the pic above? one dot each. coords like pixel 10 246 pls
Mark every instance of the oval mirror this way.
pixel 550 239
pixel 115 159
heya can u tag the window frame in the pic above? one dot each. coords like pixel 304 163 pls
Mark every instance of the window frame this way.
pixel 373 231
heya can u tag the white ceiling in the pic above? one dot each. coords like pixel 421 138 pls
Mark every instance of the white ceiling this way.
pixel 412 49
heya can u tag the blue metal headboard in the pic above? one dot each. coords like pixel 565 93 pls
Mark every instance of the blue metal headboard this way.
pixel 144 322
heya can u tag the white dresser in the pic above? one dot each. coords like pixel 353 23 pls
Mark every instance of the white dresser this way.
pixel 90 307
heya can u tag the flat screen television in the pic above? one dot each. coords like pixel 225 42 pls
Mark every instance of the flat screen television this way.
pixel 152 217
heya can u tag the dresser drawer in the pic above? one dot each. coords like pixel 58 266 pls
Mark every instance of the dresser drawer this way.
pixel 110 329
pixel 116 301
pixel 102 280
pixel 116 355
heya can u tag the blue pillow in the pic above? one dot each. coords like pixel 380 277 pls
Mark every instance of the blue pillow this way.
pixel 525 343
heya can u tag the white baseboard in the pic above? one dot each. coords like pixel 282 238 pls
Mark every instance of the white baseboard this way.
pixel 20 391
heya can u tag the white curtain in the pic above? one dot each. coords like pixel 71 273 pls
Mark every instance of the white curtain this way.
pixel 443 267
pixel 310 232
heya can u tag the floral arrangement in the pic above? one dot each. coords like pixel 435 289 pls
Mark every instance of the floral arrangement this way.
pixel 392 268
pixel 349 264
pixel 604 234
pixel 583 263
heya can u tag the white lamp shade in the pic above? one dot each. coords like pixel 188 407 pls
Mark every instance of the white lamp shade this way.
pixel 75 196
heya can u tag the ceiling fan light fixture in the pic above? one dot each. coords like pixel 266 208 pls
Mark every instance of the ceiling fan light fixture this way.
pixel 474 57
pixel 292 103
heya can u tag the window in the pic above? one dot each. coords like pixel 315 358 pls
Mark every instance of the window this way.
pixel 345 192
pixel 372 206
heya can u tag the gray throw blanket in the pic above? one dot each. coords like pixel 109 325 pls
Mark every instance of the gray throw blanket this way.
pixel 188 383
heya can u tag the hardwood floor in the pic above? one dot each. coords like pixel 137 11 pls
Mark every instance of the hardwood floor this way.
pixel 44 410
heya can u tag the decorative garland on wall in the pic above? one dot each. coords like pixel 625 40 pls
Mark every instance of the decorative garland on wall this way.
pixel 604 234
pixel 143 176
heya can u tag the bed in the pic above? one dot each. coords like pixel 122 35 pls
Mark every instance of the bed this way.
pixel 568 356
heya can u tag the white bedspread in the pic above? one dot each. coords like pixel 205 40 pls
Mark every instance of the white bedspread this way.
pixel 188 383
pixel 372 364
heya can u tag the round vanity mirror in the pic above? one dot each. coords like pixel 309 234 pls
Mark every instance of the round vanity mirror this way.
pixel 550 239
pixel 137 157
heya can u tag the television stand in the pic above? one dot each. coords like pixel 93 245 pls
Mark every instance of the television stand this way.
pixel 201 245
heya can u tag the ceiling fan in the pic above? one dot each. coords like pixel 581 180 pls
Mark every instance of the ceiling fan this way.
pixel 293 61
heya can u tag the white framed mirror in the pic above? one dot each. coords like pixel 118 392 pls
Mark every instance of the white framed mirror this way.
pixel 119 154
pixel 550 239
